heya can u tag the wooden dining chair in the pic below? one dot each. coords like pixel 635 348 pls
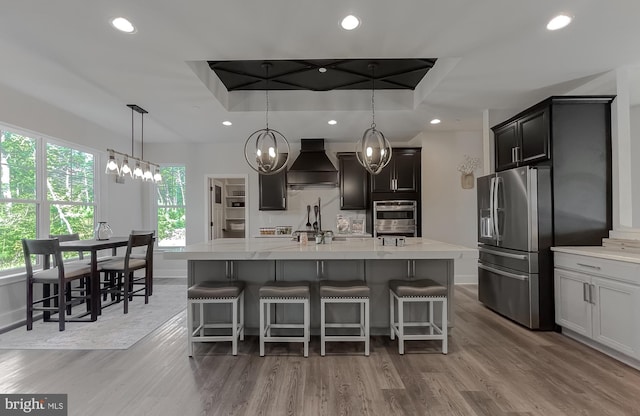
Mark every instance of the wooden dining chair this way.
pixel 70 237
pixel 57 278
pixel 124 268
pixel 139 255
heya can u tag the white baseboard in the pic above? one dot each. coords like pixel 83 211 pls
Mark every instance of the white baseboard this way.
pixel 12 319
pixel 462 279
pixel 165 273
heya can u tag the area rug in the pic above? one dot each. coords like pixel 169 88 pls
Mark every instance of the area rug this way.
pixel 112 331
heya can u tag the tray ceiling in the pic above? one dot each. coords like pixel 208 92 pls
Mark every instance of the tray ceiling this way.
pixel 337 74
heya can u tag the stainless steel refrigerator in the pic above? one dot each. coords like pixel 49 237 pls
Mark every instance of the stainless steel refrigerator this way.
pixel 515 233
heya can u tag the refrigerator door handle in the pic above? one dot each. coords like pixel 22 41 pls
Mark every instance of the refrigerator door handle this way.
pixel 522 277
pixel 502 254
pixel 492 187
pixel 494 204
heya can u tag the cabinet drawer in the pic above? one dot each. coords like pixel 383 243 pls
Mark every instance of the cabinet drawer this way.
pixel 618 270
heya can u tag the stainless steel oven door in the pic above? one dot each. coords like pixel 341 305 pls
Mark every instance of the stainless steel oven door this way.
pixel 395 226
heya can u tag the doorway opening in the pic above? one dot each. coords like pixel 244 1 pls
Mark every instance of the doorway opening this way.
pixel 227 206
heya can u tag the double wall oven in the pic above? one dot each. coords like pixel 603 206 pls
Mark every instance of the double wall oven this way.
pixel 395 217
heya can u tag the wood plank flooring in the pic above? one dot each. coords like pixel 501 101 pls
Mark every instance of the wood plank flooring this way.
pixel 494 368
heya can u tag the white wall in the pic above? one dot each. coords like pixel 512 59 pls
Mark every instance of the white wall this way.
pixel 448 211
pixel 635 167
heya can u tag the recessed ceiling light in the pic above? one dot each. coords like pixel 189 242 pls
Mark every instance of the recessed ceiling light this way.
pixel 350 22
pixel 323 70
pixel 123 25
pixel 227 123
pixel 559 22
pixel 435 121
pixel 332 122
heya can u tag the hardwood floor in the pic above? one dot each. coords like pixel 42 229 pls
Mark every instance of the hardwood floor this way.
pixel 493 368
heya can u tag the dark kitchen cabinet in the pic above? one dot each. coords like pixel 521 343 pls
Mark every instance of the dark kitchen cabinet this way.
pixel 572 135
pixel 523 140
pixel 353 182
pixel 402 174
pixel 273 191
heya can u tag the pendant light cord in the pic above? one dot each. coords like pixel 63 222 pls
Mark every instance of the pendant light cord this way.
pixel 373 105
pixel 267 96
pixel 132 155
pixel 142 135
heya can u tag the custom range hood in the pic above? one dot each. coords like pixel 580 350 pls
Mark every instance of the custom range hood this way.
pixel 312 167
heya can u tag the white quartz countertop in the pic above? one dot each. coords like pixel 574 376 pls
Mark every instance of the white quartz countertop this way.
pixel 352 249
pixel 610 253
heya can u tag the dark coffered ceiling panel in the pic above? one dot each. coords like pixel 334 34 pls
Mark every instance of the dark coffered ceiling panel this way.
pixel 340 74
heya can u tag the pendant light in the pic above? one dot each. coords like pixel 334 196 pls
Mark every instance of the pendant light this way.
pixel 112 164
pixel 266 150
pixel 373 150
pixel 142 169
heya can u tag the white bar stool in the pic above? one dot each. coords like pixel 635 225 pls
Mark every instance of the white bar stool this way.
pixel 417 291
pixel 276 292
pixel 351 291
pixel 232 293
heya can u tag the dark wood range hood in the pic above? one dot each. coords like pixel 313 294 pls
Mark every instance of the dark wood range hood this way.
pixel 312 166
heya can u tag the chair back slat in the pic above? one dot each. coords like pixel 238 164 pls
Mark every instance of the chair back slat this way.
pixel 65 237
pixel 153 232
pixel 140 240
pixel 44 248
pixel 68 237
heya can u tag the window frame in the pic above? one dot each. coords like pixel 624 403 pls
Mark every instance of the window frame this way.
pixel 156 207
pixel 41 201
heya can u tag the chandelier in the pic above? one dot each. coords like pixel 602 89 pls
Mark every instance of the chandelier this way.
pixel 266 150
pixel 373 150
pixel 142 169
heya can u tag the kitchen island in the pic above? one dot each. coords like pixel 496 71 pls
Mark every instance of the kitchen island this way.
pixel 257 260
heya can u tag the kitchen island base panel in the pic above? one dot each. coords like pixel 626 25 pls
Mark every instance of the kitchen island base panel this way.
pixel 376 273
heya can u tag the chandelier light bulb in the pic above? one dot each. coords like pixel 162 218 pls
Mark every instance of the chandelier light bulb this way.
pixel 112 165
pixel 157 176
pixel 147 173
pixel 125 169
pixel 137 171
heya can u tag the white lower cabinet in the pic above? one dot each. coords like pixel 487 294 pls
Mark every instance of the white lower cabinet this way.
pixel 596 305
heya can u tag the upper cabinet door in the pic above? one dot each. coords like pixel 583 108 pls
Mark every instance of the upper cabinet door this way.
pixel 273 191
pixel 353 182
pixel 402 174
pixel 506 141
pixel 407 170
pixel 383 181
pixel 534 137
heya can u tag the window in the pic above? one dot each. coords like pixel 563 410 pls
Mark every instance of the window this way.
pixel 70 191
pixel 18 203
pixel 45 188
pixel 171 207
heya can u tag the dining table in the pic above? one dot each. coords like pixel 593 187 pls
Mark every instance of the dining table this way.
pixel 94 246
